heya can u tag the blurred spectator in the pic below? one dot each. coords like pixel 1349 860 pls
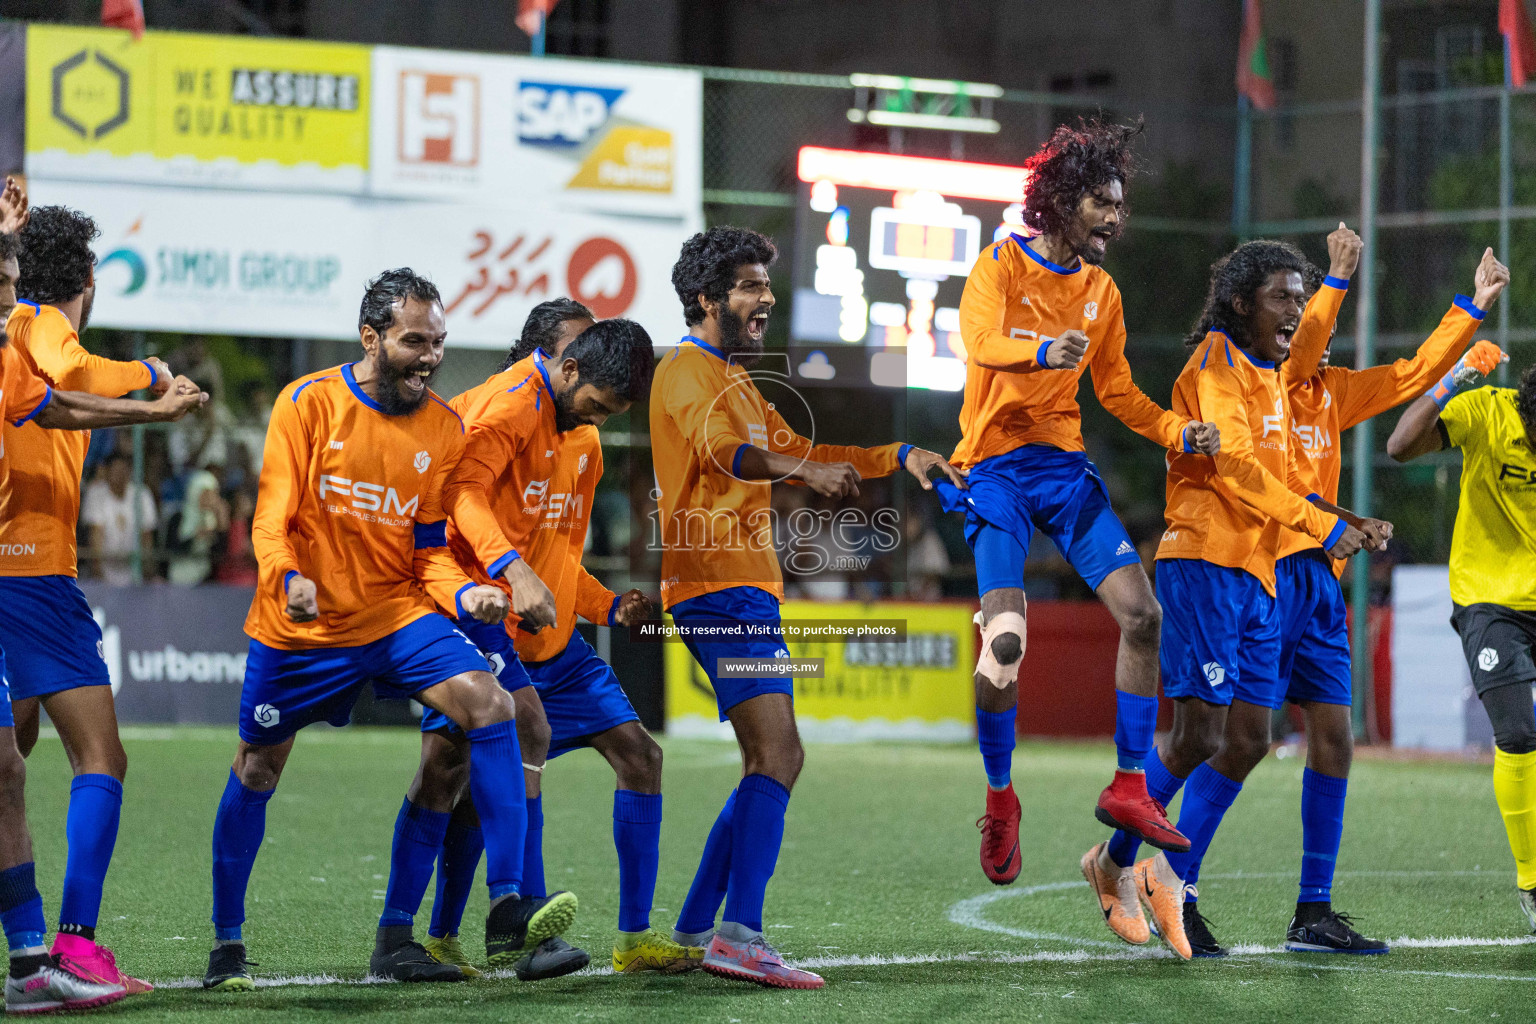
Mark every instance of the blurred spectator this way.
pixel 237 559
pixel 203 438
pixel 196 528
pixel 196 360
pixel 927 558
pixel 107 510
pixel 251 430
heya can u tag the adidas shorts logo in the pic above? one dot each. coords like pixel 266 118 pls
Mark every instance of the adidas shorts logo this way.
pixel 1125 548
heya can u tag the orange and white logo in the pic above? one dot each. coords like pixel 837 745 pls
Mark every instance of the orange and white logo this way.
pixel 439 119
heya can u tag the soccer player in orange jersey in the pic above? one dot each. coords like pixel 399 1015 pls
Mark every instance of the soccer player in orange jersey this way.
pixel 1221 641
pixel 718 444
pixel 350 540
pixel 1036 314
pixel 55 654
pixel 37 982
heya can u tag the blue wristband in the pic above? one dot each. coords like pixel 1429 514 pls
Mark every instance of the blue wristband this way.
pixel 154 375
pixel 1334 534
pixel 1341 283
pixel 901 455
pixel 458 605
pixel 499 566
pixel 1040 353
pixel 614 610
pixel 1469 307
pixel 288 578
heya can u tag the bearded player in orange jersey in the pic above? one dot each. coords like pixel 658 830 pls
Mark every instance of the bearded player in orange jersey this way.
pixel 1037 312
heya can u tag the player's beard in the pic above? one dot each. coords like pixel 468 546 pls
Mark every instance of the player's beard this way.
pixel 566 418
pixel 392 398
pixel 86 303
pixel 744 350
pixel 1086 252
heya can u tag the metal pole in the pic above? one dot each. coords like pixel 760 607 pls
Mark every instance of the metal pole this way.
pixel 1365 355
pixel 537 46
pixel 1506 200
pixel 136 558
pixel 1242 181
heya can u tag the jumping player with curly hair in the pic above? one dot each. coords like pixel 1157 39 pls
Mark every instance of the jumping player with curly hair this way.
pixel 1038 312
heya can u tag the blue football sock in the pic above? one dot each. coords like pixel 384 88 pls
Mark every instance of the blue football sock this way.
pixel 1135 727
pixel 1322 826
pixel 1207 796
pixel 418 836
pixel 237 832
pixel 533 850
pixel 757 831
pixel 95 805
pixel 713 877
pixel 996 735
pixel 496 785
pixel 21 910
pixel 1164 786
pixel 637 837
pixel 462 847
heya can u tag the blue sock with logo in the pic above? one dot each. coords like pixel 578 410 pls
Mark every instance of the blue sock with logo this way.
pixel 418 836
pixel 713 877
pixel 462 847
pixel 1322 827
pixel 95 805
pixel 237 833
pixel 1135 727
pixel 1164 786
pixel 21 910
pixel 533 850
pixel 996 734
pixel 637 837
pixel 756 835
pixel 496 785
pixel 1207 795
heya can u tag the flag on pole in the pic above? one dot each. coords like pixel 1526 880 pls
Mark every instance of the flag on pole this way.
pixel 1253 76
pixel 128 14
pixel 531 14
pixel 1519 42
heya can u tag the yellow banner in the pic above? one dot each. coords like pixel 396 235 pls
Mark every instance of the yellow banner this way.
pixel 919 689
pixel 97 93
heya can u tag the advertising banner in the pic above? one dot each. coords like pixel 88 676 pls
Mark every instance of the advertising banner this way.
pixel 260 263
pixel 226 111
pixel 919 689
pixel 509 131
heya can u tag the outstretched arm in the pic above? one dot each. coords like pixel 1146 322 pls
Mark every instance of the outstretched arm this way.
pixel 81 410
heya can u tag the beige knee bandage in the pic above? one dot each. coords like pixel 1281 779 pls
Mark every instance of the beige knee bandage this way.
pixel 994 671
pixel 537 769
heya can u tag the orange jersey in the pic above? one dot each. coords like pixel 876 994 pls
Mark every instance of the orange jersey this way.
pixel 523 486
pixel 717 529
pixel 23 394
pixel 1228 510
pixel 1325 403
pixel 40 500
pixel 351 498
pixel 1016 303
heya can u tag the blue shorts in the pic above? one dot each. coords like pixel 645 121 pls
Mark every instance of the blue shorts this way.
pixel 737 605
pixel 495 645
pixel 56 644
pixel 7 720
pixel 1038 486
pixel 1221 634
pixel 1314 632
pixel 582 696
pixel 286 690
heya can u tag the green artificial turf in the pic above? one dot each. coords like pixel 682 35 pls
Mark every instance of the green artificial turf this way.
pixel 878 888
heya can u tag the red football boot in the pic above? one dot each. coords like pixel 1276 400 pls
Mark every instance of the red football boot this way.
pixel 1126 805
pixel 1000 858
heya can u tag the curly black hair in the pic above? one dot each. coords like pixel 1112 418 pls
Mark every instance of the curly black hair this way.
pixel 708 263
pixel 614 355
pixel 1525 399
pixel 56 257
pixel 398 285
pixel 543 326
pixel 1074 162
pixel 1242 272
pixel 10 246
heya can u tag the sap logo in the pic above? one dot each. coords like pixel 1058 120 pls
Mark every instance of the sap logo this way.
pixel 1214 673
pixel 1314 436
pixel 1519 474
pixel 368 497
pixel 1276 423
pixel 561 116
pixel 1091 311
pixel 534 497
pixel 439 119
